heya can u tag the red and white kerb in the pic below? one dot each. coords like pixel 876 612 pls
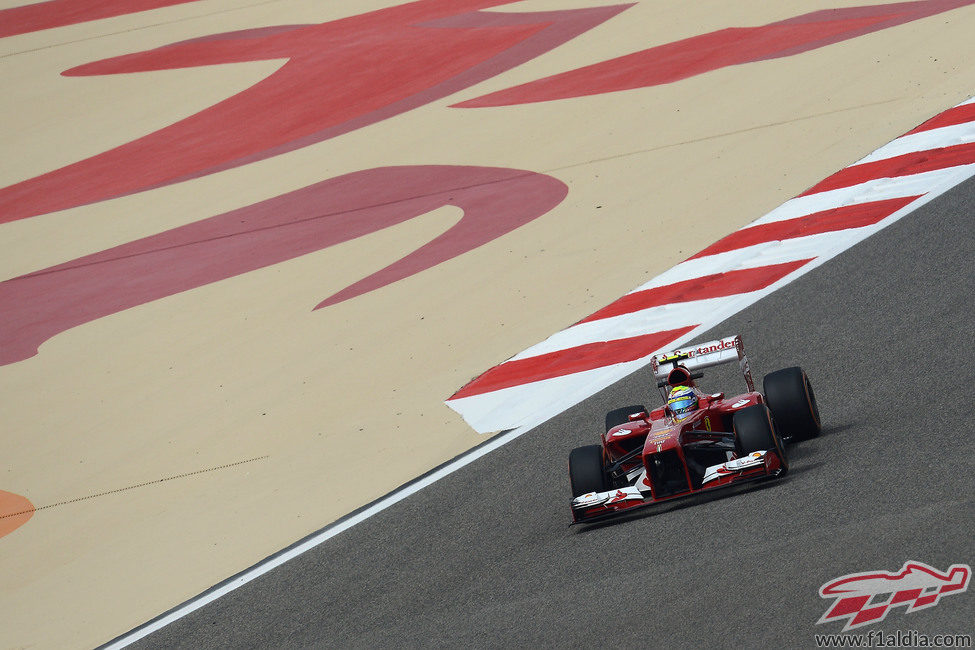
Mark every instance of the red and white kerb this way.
pixel 725 277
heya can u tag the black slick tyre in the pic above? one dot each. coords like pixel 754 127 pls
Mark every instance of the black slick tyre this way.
pixel 586 470
pixel 755 431
pixel 621 415
pixel 790 397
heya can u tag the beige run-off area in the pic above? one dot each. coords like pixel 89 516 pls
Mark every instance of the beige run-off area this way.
pixel 174 444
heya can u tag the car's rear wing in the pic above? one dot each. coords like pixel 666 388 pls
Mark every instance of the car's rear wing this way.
pixel 698 357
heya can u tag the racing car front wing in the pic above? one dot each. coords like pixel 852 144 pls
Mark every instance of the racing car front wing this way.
pixel 599 505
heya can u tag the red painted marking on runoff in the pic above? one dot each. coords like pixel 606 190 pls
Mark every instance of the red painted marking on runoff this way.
pixel 15 511
pixel 727 47
pixel 905 165
pixel 495 201
pixel 708 286
pixel 58 13
pixel 336 77
pixel 564 362
pixel 841 218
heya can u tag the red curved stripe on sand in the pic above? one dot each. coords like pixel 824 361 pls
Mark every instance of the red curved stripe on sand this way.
pixel 337 77
pixel 727 47
pixel 495 201
pixel 58 13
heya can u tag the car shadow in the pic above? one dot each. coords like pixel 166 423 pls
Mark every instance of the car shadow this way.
pixel 833 429
pixel 805 467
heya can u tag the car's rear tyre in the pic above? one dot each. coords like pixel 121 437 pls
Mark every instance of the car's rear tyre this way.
pixel 621 415
pixel 586 473
pixel 790 397
pixel 755 431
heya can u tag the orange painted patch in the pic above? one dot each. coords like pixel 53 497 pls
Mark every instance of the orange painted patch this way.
pixel 15 510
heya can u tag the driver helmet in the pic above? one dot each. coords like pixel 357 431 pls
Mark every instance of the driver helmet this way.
pixel 682 401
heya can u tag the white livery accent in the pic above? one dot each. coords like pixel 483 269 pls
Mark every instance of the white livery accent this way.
pixel 700 356
pixel 607 498
pixel 753 459
pixel 642 482
pixel 704 355
pixel 625 430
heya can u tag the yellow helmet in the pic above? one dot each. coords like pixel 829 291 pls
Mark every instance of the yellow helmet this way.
pixel 682 400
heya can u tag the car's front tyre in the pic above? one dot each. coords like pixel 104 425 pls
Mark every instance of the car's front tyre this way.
pixel 790 397
pixel 755 431
pixel 586 471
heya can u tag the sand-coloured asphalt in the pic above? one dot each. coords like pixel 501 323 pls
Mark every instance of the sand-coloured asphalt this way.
pixel 170 445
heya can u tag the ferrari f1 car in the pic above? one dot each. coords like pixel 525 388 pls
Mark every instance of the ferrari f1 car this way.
pixel 696 442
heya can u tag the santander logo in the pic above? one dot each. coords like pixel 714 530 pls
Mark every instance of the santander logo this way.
pixel 724 344
pixel 865 598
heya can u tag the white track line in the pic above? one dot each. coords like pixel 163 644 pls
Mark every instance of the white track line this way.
pixel 312 541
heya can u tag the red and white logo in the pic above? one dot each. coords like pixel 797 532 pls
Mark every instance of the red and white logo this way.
pixel 865 598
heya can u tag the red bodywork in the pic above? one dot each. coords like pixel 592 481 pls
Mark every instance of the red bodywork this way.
pixel 670 453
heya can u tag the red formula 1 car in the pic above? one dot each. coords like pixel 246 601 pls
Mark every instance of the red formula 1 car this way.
pixel 696 442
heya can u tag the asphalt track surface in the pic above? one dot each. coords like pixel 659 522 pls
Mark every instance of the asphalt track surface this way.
pixel 485 557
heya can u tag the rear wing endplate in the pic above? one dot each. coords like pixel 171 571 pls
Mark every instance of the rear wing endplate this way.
pixel 698 357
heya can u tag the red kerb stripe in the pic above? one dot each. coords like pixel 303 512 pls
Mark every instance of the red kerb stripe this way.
pixel 708 286
pixel 842 218
pixel 905 165
pixel 956 115
pixel 567 362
